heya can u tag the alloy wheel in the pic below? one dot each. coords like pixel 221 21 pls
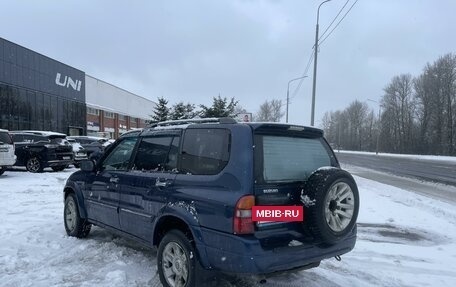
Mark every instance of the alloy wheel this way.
pixel 33 165
pixel 175 265
pixel 339 206
pixel 70 215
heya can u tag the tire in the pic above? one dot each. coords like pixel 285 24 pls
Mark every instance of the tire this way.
pixel 2 170
pixel 34 165
pixel 75 226
pixel 334 204
pixel 58 168
pixel 175 255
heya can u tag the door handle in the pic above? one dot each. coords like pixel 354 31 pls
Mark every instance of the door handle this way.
pixel 114 180
pixel 162 182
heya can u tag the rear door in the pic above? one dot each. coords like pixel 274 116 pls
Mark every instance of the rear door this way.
pixel 145 189
pixel 284 159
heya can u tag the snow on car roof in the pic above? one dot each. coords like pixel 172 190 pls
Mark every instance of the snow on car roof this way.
pixel 42 133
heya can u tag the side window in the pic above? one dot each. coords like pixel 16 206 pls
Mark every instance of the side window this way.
pixel 205 151
pixel 18 138
pixel 153 154
pixel 119 158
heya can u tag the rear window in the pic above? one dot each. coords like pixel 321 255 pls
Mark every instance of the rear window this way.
pixel 205 151
pixel 289 159
pixel 5 138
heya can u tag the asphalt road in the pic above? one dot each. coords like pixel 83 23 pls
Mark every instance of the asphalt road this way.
pixel 428 170
pixel 435 178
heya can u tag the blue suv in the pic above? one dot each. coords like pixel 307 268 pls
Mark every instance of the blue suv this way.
pixel 188 187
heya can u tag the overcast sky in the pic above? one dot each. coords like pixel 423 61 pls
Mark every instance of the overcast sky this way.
pixel 193 50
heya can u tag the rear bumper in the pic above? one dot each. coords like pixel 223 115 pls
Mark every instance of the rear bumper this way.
pixel 80 157
pixel 52 163
pixel 243 255
pixel 58 159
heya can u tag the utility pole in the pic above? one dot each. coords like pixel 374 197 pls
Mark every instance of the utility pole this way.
pixel 288 93
pixel 312 117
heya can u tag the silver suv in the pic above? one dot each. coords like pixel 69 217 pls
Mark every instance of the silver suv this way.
pixel 7 157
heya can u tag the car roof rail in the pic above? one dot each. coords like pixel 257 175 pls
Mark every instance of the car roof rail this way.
pixel 224 120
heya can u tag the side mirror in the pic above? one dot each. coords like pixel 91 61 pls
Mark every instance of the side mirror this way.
pixel 87 165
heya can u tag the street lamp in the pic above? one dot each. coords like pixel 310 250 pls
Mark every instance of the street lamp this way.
pixel 378 127
pixel 315 66
pixel 288 92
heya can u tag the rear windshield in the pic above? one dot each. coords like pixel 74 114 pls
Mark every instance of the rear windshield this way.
pixel 5 138
pixel 289 159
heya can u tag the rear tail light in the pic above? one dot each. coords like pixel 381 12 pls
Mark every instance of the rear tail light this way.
pixel 242 222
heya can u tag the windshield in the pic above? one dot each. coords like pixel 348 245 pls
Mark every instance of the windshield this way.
pixel 288 159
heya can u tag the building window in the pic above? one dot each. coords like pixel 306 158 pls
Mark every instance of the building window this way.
pixel 132 120
pixel 92 111
pixel 109 115
pixel 122 118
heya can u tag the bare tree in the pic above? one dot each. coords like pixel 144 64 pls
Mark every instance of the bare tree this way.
pixel 356 112
pixel 277 112
pixel 399 103
pixel 435 92
pixel 418 115
pixel 270 111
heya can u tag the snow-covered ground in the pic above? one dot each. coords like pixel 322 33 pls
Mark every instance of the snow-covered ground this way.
pixel 404 239
pixel 411 156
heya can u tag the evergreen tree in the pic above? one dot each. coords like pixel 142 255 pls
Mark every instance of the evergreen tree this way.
pixel 220 108
pixel 161 112
pixel 181 111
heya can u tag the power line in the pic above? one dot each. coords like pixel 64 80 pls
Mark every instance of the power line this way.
pixel 312 55
pixel 327 28
pixel 322 41
pixel 303 74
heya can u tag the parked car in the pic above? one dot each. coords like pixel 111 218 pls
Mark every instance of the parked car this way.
pixel 189 188
pixel 90 144
pixel 7 156
pixel 37 150
pixel 79 152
